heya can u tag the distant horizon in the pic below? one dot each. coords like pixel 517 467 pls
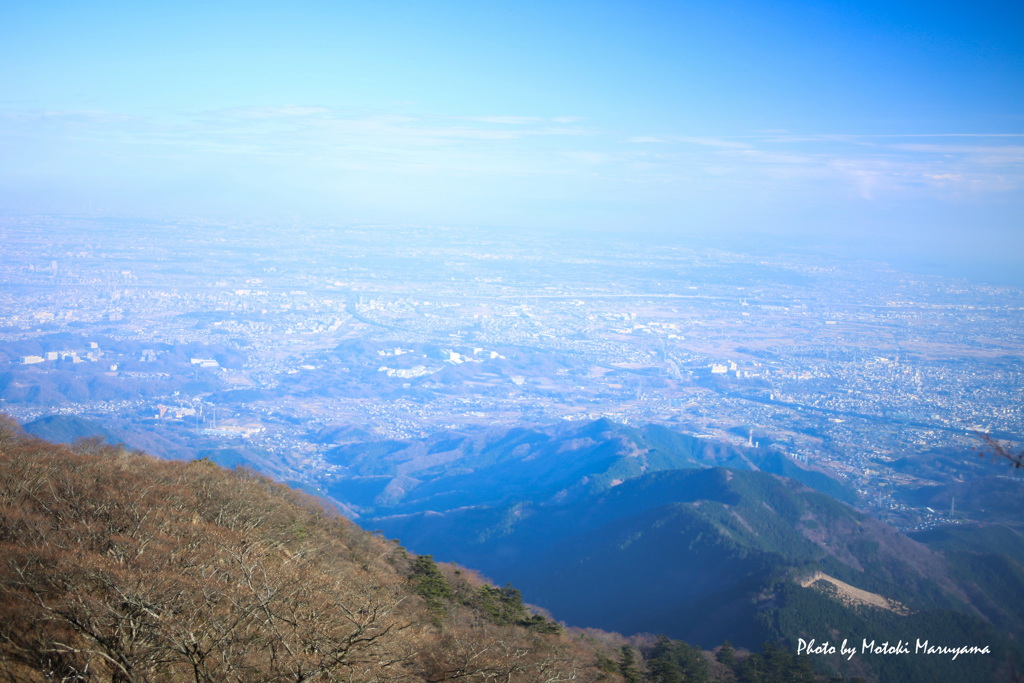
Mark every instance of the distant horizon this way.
pixel 895 129
pixel 958 260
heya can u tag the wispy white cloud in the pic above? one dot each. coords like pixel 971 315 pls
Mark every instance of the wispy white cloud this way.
pixel 358 140
pixel 507 120
pixel 866 166
pixel 723 143
pixel 590 157
pixel 72 116
pixel 1013 153
pixel 270 112
pixel 314 140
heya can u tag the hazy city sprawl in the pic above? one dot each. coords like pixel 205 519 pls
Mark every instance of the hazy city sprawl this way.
pixel 253 343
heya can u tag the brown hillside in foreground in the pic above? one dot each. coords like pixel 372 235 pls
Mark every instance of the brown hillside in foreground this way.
pixel 118 566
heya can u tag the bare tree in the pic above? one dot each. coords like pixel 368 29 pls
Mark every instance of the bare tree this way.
pixel 997 450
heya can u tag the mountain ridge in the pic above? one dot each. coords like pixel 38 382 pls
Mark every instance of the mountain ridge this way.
pixel 118 566
pixel 700 553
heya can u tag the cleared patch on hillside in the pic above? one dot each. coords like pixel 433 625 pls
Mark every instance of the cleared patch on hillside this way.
pixel 851 596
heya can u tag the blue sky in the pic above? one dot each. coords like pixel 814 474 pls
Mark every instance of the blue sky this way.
pixel 864 123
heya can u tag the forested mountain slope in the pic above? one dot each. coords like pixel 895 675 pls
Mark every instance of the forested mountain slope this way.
pixel 706 555
pixel 117 566
pixel 504 465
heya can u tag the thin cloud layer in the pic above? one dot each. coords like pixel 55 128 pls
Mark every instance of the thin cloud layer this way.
pixel 539 145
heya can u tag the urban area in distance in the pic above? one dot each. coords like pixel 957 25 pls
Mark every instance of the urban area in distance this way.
pixel 850 368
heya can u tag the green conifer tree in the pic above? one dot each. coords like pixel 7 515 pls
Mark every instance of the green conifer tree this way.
pixel 428 582
pixel 726 655
pixel 627 665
